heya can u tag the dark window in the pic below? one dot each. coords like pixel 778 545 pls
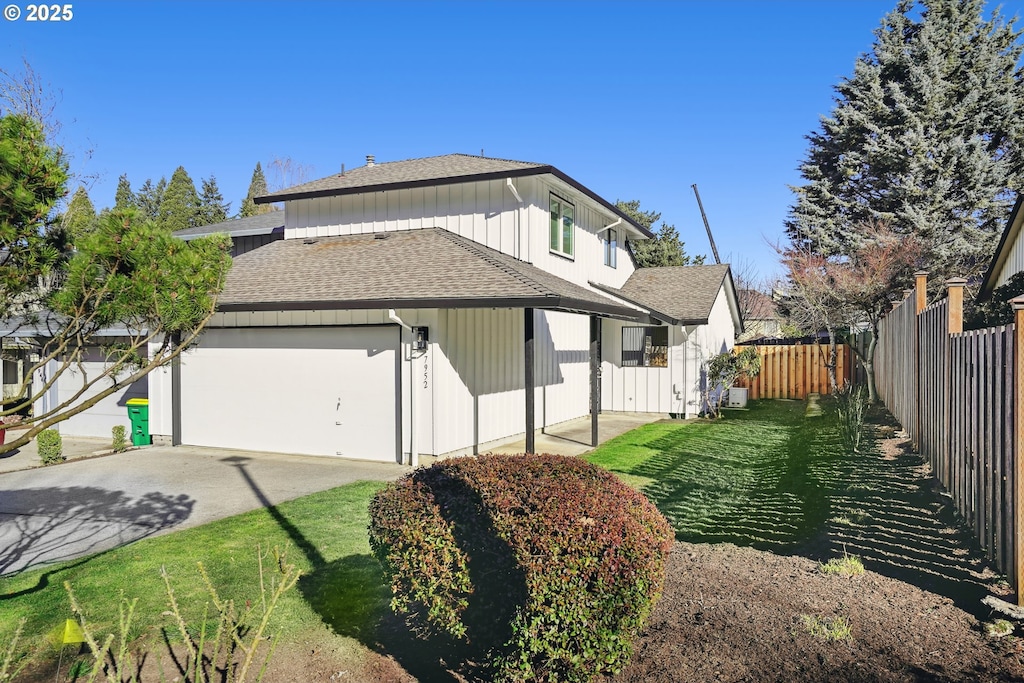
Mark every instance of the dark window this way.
pixel 562 215
pixel 645 347
pixel 611 245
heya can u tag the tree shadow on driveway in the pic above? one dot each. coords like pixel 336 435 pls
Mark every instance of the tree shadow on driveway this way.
pixel 54 524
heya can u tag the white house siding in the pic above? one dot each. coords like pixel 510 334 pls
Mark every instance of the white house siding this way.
pixel 636 389
pixel 99 419
pixel 706 341
pixel 485 212
pixel 1014 262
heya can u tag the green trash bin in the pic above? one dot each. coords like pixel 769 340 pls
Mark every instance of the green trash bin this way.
pixel 138 413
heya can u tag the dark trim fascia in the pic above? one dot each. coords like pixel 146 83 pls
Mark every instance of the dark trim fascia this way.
pixel 251 232
pixel 546 302
pixel 988 283
pixel 455 180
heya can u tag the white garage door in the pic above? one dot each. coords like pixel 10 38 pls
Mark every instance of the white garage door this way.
pixel 316 391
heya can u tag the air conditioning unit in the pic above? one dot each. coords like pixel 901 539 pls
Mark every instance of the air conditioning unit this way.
pixel 737 398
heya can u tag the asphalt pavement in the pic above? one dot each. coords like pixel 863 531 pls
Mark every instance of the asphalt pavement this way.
pixel 95 503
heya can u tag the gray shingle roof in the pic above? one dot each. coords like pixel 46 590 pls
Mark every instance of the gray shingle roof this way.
pixel 684 293
pixel 430 171
pixel 410 171
pixel 262 224
pixel 429 268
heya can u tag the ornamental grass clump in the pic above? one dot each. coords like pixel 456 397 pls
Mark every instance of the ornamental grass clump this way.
pixel 546 566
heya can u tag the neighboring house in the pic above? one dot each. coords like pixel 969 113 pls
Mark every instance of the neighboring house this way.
pixel 760 318
pixel 246 233
pixel 438 306
pixel 1009 257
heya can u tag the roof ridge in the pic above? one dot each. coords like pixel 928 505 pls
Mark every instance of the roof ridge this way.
pixel 475 247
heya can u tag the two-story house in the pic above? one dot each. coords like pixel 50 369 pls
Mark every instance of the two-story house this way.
pixel 438 306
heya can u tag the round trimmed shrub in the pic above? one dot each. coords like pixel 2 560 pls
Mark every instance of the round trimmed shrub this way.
pixel 548 564
pixel 50 446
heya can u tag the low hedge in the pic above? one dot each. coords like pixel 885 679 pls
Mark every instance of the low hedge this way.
pixel 549 564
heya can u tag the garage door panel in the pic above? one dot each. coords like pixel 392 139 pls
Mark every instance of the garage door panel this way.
pixel 316 391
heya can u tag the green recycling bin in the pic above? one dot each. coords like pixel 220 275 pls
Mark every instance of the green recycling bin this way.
pixel 138 413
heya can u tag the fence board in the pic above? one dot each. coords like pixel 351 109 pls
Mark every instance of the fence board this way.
pixel 793 371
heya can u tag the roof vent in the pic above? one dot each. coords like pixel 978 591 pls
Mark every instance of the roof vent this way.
pixel 309 241
pixel 369 160
pixel 381 236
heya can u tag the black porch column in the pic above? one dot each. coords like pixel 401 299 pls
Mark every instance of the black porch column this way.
pixel 531 446
pixel 595 376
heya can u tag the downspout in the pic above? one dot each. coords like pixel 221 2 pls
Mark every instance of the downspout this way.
pixel 414 460
pixel 519 221
pixel 618 222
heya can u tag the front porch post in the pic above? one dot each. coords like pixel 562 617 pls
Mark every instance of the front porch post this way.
pixel 531 446
pixel 595 376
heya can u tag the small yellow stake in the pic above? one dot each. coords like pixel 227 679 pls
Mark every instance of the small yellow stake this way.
pixel 72 632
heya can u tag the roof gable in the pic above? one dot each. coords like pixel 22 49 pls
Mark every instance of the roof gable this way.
pixel 1006 244
pixel 681 295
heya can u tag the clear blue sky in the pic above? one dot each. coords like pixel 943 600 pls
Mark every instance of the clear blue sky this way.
pixel 634 100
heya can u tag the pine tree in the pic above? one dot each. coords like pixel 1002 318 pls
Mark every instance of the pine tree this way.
pixel 257 188
pixel 212 207
pixel 926 135
pixel 149 198
pixel 180 206
pixel 124 198
pixel 665 249
pixel 80 216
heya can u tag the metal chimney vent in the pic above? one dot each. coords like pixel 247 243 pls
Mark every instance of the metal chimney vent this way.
pixel 369 160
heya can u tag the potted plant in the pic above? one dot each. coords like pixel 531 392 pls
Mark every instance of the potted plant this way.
pixel 8 421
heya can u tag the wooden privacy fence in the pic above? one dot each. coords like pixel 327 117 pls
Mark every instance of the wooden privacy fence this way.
pixel 793 371
pixel 959 397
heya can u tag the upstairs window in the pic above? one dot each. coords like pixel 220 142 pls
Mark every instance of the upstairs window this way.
pixel 645 347
pixel 611 245
pixel 562 215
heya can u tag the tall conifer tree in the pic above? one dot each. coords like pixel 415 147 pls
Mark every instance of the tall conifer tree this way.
pixel 257 188
pixel 124 198
pixel 212 207
pixel 80 216
pixel 150 196
pixel 926 135
pixel 180 206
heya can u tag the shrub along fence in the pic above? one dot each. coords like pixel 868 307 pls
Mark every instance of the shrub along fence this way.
pixel 959 397
pixel 795 370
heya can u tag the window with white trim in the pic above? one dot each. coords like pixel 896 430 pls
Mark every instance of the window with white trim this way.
pixel 645 347
pixel 611 246
pixel 562 224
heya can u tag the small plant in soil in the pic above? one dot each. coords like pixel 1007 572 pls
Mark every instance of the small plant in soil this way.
pixel 119 439
pixel 832 630
pixel 847 565
pixel 998 628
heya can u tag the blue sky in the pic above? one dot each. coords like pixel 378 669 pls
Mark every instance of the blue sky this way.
pixel 634 100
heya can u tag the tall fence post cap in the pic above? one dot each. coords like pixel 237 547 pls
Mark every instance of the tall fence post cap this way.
pixel 956 282
pixel 1017 303
pixel 907 292
pixel 921 273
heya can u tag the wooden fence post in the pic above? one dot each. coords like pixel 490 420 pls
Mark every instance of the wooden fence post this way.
pixel 921 290
pixel 955 287
pixel 1018 438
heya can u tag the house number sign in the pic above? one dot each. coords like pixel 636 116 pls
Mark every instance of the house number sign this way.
pixel 426 373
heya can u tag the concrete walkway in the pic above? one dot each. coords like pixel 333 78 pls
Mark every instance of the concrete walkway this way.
pixel 66 511
pixel 573 437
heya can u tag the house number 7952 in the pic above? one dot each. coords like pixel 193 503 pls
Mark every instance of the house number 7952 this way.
pixel 425 374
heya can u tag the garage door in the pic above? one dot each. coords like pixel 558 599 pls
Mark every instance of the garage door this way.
pixel 315 391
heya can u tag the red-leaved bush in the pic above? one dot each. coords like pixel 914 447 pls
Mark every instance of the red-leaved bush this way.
pixel 548 563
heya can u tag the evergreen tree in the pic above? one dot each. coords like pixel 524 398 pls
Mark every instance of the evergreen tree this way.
pixel 80 216
pixel 149 198
pixel 257 188
pixel 212 207
pixel 926 135
pixel 124 198
pixel 665 249
pixel 180 206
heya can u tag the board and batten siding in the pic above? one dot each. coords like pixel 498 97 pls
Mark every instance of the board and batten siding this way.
pixel 467 390
pixel 1014 262
pixel 485 212
pixel 674 389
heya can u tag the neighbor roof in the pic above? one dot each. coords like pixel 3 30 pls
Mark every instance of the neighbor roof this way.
pixel 679 295
pixel 430 268
pixel 261 224
pixel 430 171
pixel 1006 242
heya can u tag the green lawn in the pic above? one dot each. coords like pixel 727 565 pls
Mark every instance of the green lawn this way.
pixel 326 533
pixel 761 477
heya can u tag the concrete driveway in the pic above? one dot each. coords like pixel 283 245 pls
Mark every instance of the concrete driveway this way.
pixel 80 507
